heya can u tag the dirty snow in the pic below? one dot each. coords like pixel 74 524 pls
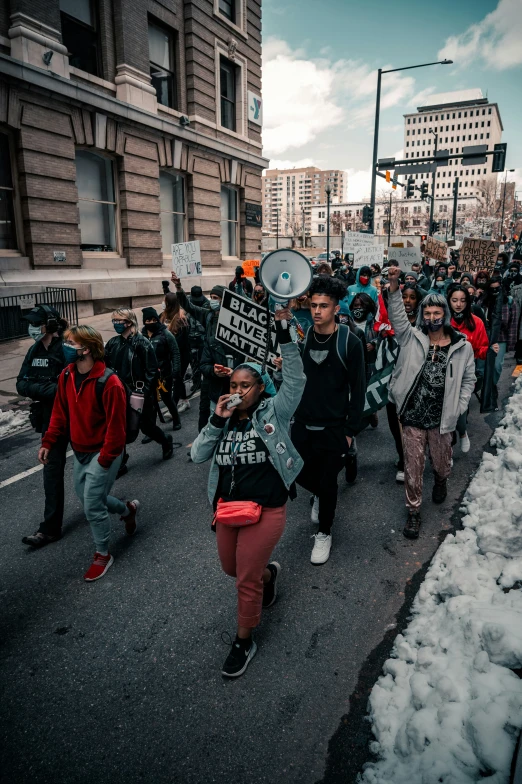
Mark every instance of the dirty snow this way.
pixel 11 421
pixel 449 708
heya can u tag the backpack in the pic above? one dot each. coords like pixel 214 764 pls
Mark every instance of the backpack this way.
pixel 132 414
pixel 197 331
pixel 343 335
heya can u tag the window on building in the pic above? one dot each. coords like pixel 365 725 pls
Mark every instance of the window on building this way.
pixel 80 34
pixel 7 214
pixel 408 120
pixel 172 210
pixel 489 110
pixel 227 77
pixel 161 63
pixel 487 136
pixel 229 221
pixel 228 9
pixel 97 201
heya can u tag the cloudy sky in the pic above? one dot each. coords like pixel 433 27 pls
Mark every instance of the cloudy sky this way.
pixel 319 74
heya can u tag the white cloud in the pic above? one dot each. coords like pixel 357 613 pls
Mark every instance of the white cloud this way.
pixel 495 41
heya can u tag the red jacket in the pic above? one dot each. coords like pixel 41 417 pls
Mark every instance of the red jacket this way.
pixel 91 428
pixel 478 338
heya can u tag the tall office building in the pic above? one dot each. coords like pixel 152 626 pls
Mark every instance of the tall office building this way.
pixel 287 193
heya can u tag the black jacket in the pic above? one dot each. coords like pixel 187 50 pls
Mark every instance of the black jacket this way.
pixel 167 352
pixel 244 284
pixel 38 377
pixel 349 277
pixel 133 359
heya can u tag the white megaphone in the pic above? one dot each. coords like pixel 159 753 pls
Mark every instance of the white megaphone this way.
pixel 285 274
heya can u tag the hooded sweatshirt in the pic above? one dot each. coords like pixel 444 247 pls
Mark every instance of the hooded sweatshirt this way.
pixel 358 288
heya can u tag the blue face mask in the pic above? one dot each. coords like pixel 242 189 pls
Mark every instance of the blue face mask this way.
pixel 34 332
pixel 70 353
pixel 119 328
pixel 215 304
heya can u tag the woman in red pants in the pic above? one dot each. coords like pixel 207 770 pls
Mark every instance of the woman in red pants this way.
pixel 254 467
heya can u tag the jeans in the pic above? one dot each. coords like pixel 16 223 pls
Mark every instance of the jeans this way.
pixel 415 442
pixel 244 553
pixel 92 484
pixel 499 362
pixel 53 488
pixel 323 453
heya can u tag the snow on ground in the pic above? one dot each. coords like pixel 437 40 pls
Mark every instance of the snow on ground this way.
pixel 448 708
pixel 11 421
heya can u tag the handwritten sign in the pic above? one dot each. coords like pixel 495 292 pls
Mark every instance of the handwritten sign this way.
pixel 27 301
pixel 249 267
pixel 186 259
pixel 242 325
pixel 436 249
pixel 366 248
pixel 476 254
pixel 405 257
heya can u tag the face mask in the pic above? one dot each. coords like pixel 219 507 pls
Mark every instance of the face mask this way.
pixel 153 328
pixel 119 328
pixel 459 316
pixel 258 295
pixel 215 304
pixel 494 292
pixel 435 325
pixel 34 332
pixel 439 284
pixel 481 286
pixel 363 280
pixel 71 354
pixel 359 313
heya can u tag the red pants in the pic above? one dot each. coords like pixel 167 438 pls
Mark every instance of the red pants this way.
pixel 415 442
pixel 244 553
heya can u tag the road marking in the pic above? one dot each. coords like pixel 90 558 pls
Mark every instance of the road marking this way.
pixel 23 475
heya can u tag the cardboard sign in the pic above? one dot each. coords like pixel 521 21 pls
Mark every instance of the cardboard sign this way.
pixel 366 248
pixel 477 254
pixel 366 256
pixel 249 267
pixel 396 245
pixel 242 325
pixel 435 249
pixel 355 239
pixel 405 256
pixel 27 301
pixel 186 259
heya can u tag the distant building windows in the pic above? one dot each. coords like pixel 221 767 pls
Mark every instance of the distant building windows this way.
pixel 80 34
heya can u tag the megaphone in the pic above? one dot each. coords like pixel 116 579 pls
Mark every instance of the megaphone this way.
pixel 285 274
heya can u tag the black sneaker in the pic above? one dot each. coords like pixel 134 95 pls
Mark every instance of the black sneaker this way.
pixel 270 589
pixel 351 467
pixel 146 440
pixel 39 539
pixel 168 449
pixel 240 656
pixel 412 528
pixel 177 426
pixel 440 491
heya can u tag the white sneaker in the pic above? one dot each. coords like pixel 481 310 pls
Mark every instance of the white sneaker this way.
pixel 321 549
pixel 399 476
pixel 314 514
pixel 183 406
pixel 465 443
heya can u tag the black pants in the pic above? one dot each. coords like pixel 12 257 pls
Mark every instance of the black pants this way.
pixel 53 488
pixel 168 398
pixel 204 404
pixel 395 430
pixel 323 453
pixel 148 424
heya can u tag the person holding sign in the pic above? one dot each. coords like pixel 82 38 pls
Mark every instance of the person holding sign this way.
pixel 252 474
pixel 431 386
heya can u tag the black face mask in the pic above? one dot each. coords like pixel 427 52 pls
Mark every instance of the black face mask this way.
pixel 459 316
pixel 153 328
pixel 494 292
pixel 359 313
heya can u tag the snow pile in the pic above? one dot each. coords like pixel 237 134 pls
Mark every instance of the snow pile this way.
pixel 448 708
pixel 11 421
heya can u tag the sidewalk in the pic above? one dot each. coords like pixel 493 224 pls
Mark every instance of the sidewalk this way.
pixel 12 355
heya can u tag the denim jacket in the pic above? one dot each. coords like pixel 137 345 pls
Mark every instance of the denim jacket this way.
pixel 271 421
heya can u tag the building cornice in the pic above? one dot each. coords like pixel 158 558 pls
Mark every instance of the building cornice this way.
pixel 85 95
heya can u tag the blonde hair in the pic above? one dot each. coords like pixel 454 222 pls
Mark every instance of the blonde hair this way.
pixel 89 338
pixel 126 315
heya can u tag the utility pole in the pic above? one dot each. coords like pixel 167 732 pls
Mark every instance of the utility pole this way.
pixel 455 199
pixel 375 144
pixel 432 207
pixel 277 229
pixel 389 220
pixel 328 190
pixel 504 204
pixel 304 230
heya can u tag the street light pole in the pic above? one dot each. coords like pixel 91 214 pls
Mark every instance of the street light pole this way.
pixel 455 199
pixel 389 221
pixel 277 229
pixel 434 174
pixel 328 190
pixel 380 72
pixel 504 204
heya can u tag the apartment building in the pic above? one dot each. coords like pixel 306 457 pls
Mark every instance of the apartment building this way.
pixel 127 126
pixel 457 119
pixel 288 196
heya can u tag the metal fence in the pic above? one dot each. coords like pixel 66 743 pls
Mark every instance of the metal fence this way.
pixel 13 309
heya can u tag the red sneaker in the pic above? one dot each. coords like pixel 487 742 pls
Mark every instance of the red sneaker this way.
pixel 99 566
pixel 131 520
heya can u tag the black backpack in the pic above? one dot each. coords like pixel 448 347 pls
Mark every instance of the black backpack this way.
pixel 131 419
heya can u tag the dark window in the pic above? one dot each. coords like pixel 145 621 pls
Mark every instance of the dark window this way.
pixel 97 201
pixel 228 9
pixel 161 61
pixel 7 217
pixel 227 77
pixel 79 34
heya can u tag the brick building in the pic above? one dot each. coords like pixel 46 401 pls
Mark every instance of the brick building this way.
pixel 126 126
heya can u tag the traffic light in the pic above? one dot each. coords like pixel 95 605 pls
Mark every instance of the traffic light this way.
pixel 388 176
pixel 370 215
pixel 410 188
pixel 424 237
pixel 366 213
pixel 435 227
pixel 499 157
pixel 424 190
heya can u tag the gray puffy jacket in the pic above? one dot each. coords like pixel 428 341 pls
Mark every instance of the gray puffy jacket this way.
pixel 276 411
pixel 460 372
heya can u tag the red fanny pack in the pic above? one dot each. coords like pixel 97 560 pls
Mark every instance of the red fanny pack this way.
pixel 237 513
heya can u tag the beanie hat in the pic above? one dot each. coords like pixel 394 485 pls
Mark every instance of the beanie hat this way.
pixel 239 270
pixel 196 291
pixel 150 313
pixel 218 291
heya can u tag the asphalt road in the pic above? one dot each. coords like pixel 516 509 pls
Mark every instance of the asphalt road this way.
pixel 119 681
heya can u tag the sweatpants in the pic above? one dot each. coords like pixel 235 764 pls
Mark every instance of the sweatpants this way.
pixel 54 489
pixel 395 430
pixel 323 453
pixel 244 553
pixel 415 442
pixel 92 484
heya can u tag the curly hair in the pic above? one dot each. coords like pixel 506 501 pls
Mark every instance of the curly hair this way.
pixel 328 287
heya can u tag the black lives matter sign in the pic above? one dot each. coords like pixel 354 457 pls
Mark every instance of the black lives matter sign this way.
pixel 242 325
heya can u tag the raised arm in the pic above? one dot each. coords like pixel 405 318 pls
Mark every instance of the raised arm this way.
pixel 398 318
pixel 294 379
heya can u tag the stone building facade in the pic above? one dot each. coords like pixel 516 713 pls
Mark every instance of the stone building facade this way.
pixel 126 126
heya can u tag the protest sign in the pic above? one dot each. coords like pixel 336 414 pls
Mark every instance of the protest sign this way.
pixel 517 255
pixel 366 256
pixel 405 256
pixel 478 254
pixel 249 267
pixel 186 259
pixel 366 248
pixel 242 326
pixel 435 249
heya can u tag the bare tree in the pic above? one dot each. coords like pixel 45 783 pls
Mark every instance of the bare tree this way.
pixel 337 222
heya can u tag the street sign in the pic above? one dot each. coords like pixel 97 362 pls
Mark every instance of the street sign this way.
pixel 442 157
pixel 415 168
pixel 385 163
pixel 479 158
